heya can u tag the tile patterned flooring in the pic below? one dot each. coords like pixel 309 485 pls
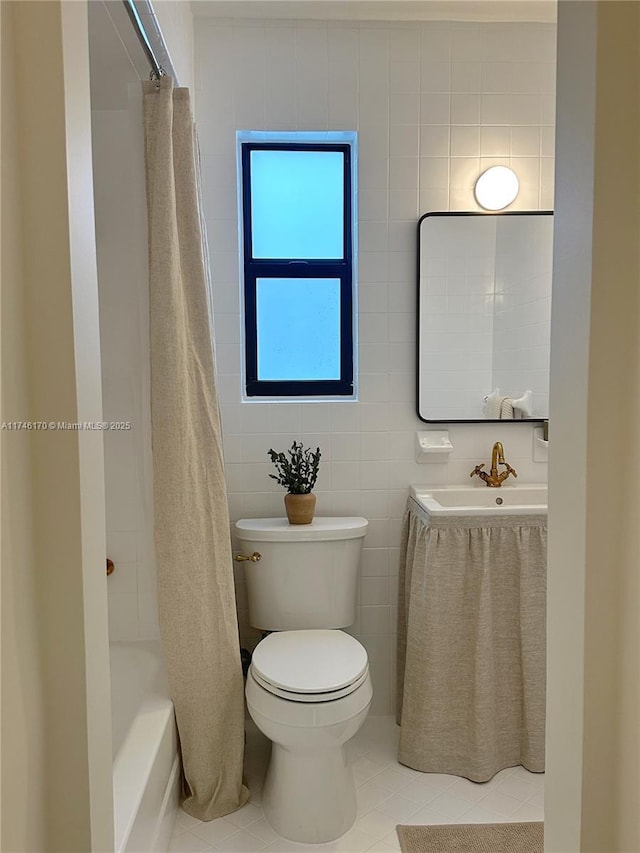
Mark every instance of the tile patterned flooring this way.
pixel 388 794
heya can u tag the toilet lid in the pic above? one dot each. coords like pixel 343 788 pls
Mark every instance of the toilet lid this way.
pixel 310 662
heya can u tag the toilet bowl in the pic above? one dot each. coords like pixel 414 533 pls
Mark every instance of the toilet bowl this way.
pixel 308 686
pixel 309 692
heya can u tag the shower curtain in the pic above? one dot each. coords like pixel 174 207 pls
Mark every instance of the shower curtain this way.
pixel 471 643
pixel 196 599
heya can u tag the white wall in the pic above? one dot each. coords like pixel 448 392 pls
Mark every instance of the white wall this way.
pixel 593 737
pixel 434 103
pixel 23 694
pixel 522 324
pixel 176 22
pixel 123 282
pixel 54 555
pixel 117 64
pixel 121 227
pixel 457 273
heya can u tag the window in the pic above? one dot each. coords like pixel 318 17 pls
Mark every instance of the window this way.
pixel 297 222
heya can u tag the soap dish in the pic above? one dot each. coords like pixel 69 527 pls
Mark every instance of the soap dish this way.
pixel 433 445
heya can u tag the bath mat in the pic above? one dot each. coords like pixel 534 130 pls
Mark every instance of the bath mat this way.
pixel 473 838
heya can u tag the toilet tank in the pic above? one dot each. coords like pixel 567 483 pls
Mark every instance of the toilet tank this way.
pixel 307 575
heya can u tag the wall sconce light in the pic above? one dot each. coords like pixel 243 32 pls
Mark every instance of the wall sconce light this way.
pixel 496 188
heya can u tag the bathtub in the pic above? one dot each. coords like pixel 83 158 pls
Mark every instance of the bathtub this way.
pixel 146 767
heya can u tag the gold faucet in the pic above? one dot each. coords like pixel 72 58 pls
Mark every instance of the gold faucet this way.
pixel 494 479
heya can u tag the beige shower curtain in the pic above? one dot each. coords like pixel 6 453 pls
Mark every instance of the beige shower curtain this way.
pixel 471 644
pixel 196 598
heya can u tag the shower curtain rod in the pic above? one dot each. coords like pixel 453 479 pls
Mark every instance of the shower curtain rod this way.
pixel 157 71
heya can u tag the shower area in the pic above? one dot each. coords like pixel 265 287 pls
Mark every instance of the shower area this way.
pixel 145 754
pixel 176 677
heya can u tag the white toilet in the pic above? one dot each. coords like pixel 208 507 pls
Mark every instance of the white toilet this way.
pixel 308 686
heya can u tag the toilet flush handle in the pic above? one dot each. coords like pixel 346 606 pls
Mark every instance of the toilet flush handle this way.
pixel 253 558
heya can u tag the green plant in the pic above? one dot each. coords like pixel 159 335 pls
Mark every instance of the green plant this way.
pixel 299 472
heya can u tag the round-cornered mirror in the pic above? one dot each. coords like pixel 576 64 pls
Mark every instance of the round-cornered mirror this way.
pixel 484 311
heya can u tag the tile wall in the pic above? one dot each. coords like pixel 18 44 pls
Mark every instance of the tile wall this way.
pixel 434 103
pixel 457 274
pixel 522 325
pixel 121 229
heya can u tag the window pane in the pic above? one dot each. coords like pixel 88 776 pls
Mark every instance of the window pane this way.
pixel 297 204
pixel 298 323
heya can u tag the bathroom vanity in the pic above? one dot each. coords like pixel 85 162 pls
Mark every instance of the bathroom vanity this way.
pixel 471 630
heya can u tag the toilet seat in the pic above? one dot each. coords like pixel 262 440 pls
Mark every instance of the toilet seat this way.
pixel 310 666
pixel 294 696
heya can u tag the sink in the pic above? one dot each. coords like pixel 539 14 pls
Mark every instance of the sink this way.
pixel 447 501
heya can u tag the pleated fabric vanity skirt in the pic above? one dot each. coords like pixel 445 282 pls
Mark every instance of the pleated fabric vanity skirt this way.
pixel 471 643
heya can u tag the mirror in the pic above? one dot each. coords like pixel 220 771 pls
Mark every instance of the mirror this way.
pixel 484 311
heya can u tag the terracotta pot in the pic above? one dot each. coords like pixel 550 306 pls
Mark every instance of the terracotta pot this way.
pixel 300 508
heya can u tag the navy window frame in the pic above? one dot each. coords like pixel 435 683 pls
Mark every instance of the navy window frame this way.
pixel 255 268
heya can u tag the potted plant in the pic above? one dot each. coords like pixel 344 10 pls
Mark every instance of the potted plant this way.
pixel 297 471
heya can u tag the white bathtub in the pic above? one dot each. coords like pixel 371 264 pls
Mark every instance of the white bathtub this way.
pixel 146 767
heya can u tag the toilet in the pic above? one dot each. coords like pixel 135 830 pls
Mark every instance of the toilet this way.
pixel 308 686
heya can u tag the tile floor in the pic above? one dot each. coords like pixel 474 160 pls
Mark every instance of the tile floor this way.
pixel 388 794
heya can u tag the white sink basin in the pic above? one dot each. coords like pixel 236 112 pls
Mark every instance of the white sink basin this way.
pixel 481 500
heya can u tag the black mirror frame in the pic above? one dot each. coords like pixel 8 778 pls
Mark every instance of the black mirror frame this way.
pixel 417 386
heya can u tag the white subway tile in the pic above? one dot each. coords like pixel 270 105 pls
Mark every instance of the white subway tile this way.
pixel 403 203
pixel 434 172
pixel 376 619
pixel 466 76
pixel 548 109
pixel 345 446
pixel 404 108
pixel 123 616
pixel 345 476
pixel 315 418
pixel 435 199
pixel 466 44
pixel 374 504
pixel 403 173
pixel 124 578
pixel 375 562
pixel 404 141
pixel 373 268
pixel 374 475
pixel 374 446
pixel 122 546
pixel 435 109
pixel 404 45
pixel 374 358
pixel 464 172
pixel 255 477
pixel 262 505
pixel 495 141
pixel 403 237
pixel 435 76
pixel 374 387
pixel 374 45
pixel 373 204
pixel 375 591
pixel 405 76
pixel 377 535
pixel 436 40
pixel 434 141
pixel 374 328
pixel 401 357
pixel 374 417
pixel 465 109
